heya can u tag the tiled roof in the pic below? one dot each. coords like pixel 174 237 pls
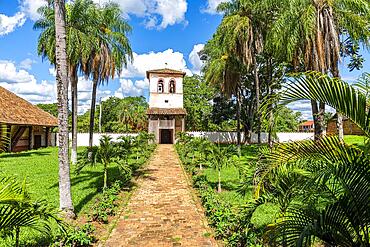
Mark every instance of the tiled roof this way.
pixel 166 111
pixel 307 123
pixel 15 110
pixel 165 71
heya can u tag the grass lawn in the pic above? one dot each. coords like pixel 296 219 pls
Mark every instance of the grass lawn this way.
pixel 40 169
pixel 352 139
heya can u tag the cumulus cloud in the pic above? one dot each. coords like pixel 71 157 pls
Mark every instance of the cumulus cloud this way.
pixel 10 74
pixel 211 7
pixel 30 7
pixel 9 23
pixel 130 88
pixel 155 60
pixel 194 59
pixel 157 13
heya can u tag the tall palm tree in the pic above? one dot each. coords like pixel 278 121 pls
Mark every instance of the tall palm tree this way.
pixel 80 43
pixel 65 196
pixel 307 33
pixel 113 54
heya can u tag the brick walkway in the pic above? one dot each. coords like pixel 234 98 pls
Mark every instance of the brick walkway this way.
pixel 162 212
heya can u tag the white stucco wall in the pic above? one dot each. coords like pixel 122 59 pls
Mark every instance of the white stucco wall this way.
pixel 219 137
pixel 165 99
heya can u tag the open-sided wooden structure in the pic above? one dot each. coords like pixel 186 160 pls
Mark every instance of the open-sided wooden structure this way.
pixel 27 126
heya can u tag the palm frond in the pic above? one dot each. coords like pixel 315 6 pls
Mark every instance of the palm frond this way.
pixel 334 92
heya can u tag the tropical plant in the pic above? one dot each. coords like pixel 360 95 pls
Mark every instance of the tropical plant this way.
pixel 81 42
pixel 106 154
pixel 113 53
pixel 307 33
pixel 331 201
pixel 17 211
pixel 219 158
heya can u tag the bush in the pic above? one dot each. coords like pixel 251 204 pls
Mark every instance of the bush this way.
pixel 106 203
pixel 77 236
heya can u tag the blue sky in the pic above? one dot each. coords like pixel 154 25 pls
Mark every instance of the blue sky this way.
pixel 164 31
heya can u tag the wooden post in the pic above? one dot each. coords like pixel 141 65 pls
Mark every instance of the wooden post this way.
pixel 30 146
pixel 47 137
pixel 9 135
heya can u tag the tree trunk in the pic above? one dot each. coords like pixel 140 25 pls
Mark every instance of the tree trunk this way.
pixel 74 81
pixel 219 182
pixel 65 196
pixel 339 115
pixel 105 176
pixel 257 88
pixel 238 135
pixel 270 92
pixel 92 114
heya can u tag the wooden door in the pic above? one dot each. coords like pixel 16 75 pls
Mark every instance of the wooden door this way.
pixel 166 136
pixel 37 142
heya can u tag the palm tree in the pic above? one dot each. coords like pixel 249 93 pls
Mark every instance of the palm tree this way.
pixel 307 34
pixel 220 158
pixel 337 174
pixel 113 54
pixel 65 196
pixel 80 43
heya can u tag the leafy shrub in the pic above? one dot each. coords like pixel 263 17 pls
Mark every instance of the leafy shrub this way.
pixel 106 203
pixel 77 236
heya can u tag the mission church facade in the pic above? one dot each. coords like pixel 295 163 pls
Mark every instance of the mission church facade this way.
pixel 166 111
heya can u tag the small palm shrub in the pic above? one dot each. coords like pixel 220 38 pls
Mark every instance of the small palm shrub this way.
pixel 18 211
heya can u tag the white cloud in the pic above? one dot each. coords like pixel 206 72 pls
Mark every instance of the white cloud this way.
pixel 212 5
pixel 157 13
pixel 194 59
pixel 10 74
pixel 155 60
pixel 25 85
pixel 26 64
pixel 130 88
pixel 30 7
pixel 9 23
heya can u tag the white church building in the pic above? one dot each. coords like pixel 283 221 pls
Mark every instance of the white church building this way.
pixel 166 111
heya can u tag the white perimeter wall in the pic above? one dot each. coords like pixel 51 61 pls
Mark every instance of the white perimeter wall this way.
pixel 219 137
pixel 231 137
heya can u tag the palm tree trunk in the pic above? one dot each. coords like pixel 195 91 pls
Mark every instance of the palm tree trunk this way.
pixel 105 176
pixel 257 88
pixel 238 135
pixel 74 81
pixel 92 114
pixel 219 182
pixel 270 92
pixel 339 115
pixel 65 196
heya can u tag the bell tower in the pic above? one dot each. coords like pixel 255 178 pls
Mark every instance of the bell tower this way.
pixel 166 111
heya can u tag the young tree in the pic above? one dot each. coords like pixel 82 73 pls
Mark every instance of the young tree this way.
pixel 220 158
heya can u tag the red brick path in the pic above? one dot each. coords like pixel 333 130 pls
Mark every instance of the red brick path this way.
pixel 162 212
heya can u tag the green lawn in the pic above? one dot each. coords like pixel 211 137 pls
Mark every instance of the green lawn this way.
pixel 40 169
pixel 352 139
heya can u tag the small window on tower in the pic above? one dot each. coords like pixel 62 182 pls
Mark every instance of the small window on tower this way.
pixel 160 86
pixel 172 86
